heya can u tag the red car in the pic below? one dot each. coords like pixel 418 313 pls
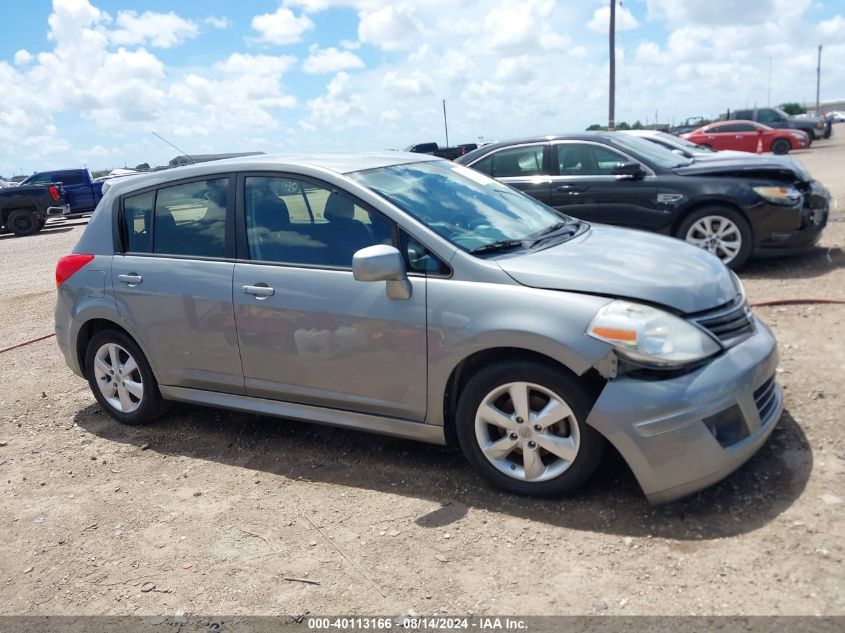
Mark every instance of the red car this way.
pixel 744 136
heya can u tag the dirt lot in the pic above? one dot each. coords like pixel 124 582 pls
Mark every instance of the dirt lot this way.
pixel 216 508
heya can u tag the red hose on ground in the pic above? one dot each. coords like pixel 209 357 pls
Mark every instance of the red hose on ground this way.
pixel 35 340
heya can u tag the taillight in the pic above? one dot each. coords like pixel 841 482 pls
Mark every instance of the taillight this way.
pixel 69 265
pixel 54 192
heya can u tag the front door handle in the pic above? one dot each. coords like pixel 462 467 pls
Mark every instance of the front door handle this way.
pixel 260 291
pixel 570 188
pixel 131 279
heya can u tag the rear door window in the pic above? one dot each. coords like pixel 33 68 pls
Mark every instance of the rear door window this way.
pixel 190 219
pixel 517 162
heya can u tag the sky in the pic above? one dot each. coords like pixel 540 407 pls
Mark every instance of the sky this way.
pixel 86 82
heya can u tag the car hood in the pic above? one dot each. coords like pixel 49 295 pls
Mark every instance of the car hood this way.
pixel 748 166
pixel 726 153
pixel 624 263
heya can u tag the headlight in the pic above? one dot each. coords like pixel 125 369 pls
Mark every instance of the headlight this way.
pixel 647 335
pixel 797 134
pixel 787 196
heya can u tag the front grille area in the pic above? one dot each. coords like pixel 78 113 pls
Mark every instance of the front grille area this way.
pixel 766 398
pixel 729 323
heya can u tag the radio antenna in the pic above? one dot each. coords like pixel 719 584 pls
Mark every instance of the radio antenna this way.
pixel 184 153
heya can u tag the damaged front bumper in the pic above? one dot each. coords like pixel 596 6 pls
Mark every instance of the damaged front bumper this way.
pixel 682 434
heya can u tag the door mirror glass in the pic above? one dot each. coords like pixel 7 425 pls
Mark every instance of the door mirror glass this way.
pixel 382 263
pixel 632 169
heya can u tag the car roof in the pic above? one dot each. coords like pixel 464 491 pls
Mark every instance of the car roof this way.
pixel 641 132
pixel 338 162
pixel 574 136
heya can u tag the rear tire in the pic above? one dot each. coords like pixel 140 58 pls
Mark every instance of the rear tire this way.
pixel 721 231
pixel 121 379
pixel 781 146
pixel 536 442
pixel 22 223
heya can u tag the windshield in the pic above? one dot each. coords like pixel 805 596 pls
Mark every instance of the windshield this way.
pixel 649 152
pixel 683 143
pixel 464 206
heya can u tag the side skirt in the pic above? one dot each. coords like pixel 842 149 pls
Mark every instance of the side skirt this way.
pixel 418 431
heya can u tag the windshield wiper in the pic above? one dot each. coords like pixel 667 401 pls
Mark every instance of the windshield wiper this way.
pixel 555 231
pixel 495 247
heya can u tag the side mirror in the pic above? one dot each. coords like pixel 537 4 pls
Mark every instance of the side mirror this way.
pixel 680 152
pixel 631 170
pixel 382 263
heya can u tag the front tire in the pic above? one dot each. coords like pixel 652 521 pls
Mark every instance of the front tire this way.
pixel 721 231
pixel 781 146
pixel 121 378
pixel 522 426
pixel 23 223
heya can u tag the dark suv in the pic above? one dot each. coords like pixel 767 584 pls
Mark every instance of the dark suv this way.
pixel 732 207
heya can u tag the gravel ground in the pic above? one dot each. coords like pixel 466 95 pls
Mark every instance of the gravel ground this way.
pixel 208 511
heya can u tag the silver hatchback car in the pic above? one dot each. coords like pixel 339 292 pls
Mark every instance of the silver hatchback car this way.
pixel 406 295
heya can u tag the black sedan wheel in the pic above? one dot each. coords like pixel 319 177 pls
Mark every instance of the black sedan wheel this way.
pixel 720 231
pixel 781 146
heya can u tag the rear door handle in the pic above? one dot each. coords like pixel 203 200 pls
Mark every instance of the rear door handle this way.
pixel 259 291
pixel 132 279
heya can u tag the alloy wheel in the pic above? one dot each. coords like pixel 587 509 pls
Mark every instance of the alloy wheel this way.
pixel 718 235
pixel 118 377
pixel 527 431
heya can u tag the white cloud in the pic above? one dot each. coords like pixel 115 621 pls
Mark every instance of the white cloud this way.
pixel 523 25
pixel 390 116
pixel 329 60
pixel 309 6
pixel 832 28
pixel 23 57
pixel 600 22
pixel 339 108
pixel 647 53
pixel 392 27
pixel 416 84
pixel 162 30
pixel 218 23
pixel 515 69
pixel 281 27
pixel 724 12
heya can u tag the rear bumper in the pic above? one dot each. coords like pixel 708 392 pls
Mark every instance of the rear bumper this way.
pixel 61 209
pixel 664 429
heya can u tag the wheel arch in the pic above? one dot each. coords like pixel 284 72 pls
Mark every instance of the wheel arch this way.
pixel 467 367
pixel 93 326
pixel 712 202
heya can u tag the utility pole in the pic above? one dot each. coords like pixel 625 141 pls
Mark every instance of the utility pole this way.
pixel 818 81
pixel 445 124
pixel 611 105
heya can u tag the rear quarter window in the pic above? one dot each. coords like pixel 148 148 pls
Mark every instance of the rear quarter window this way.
pixel 136 222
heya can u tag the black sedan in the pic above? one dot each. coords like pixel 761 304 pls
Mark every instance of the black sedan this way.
pixel 733 207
